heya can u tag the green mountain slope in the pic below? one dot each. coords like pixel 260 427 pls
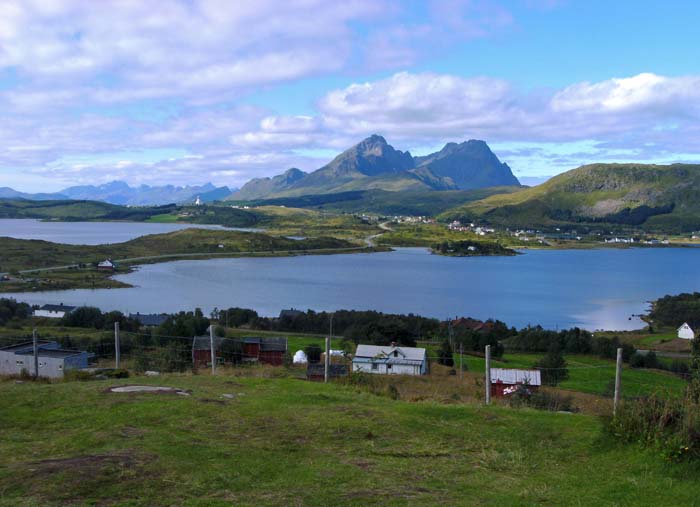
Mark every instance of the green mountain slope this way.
pixel 470 164
pixel 654 197
pixel 416 203
pixel 373 164
pixel 269 186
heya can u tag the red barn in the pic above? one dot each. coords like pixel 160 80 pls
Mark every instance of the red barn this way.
pixel 505 381
pixel 265 350
pixel 201 350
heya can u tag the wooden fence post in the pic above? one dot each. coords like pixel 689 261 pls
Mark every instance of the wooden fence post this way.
pixel 487 378
pixel 117 346
pixel 212 349
pixel 35 347
pixel 618 381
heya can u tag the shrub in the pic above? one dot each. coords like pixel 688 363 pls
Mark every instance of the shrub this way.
pixel 79 375
pixel 669 425
pixel 546 400
pixel 393 392
pixel 313 353
pixel 116 373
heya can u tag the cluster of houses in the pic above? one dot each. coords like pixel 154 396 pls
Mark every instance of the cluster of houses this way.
pixel 456 225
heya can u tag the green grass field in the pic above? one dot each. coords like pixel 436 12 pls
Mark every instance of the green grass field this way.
pixel 282 441
pixel 588 374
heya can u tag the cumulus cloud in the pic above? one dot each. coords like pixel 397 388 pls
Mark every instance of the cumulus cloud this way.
pixel 82 79
pixel 426 105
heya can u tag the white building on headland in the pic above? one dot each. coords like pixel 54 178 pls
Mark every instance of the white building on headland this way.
pixel 686 332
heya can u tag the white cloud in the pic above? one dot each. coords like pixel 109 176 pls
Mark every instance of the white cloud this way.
pixel 88 78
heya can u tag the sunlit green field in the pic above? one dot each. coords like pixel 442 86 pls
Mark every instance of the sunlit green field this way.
pixel 282 441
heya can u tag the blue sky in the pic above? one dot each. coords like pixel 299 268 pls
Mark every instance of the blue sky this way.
pixel 210 90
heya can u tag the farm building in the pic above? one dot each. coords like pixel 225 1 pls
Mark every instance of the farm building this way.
pixel 390 360
pixel 317 371
pixel 265 350
pixel 686 332
pixel 53 311
pixel 52 359
pixel 505 381
pixel 290 314
pixel 149 319
pixel 107 265
pixel 201 350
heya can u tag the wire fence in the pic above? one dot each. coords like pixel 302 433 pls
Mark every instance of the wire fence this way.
pixel 144 351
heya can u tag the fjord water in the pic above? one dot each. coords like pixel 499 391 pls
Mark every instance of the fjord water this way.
pixel 594 289
pixel 87 233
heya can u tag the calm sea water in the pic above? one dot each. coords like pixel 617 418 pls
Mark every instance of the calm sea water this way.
pixel 594 289
pixel 87 233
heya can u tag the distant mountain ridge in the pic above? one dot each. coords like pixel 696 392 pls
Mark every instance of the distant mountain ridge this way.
pixel 373 164
pixel 10 193
pixel 119 192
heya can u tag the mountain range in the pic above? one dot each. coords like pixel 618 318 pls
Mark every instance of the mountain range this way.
pixel 373 164
pixel 119 192
pixel 655 197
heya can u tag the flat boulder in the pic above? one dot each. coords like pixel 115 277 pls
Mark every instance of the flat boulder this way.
pixel 148 389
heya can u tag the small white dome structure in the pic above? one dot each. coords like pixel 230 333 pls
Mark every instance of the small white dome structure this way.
pixel 300 357
pixel 686 332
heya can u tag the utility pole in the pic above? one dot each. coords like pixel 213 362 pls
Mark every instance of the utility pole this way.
pixel 461 371
pixel 35 343
pixel 327 358
pixel 212 348
pixel 117 346
pixel 618 380
pixel 487 378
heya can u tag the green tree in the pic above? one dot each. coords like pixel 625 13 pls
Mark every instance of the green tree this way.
pixel 445 354
pixel 553 366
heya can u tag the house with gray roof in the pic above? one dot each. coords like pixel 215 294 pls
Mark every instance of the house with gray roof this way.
pixel 53 361
pixel 150 319
pixel 390 360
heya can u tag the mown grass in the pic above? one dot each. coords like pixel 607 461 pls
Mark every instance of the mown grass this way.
pixel 281 441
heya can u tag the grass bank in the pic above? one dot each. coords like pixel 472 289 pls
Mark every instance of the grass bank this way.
pixel 281 441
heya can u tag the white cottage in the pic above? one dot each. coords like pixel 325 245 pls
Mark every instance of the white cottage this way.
pixel 390 360
pixel 685 332
pixel 53 311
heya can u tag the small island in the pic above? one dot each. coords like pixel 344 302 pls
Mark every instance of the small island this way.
pixel 470 248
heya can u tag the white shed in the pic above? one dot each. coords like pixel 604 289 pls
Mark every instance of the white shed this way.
pixel 685 332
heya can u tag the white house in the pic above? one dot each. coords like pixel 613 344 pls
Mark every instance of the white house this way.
pixel 686 332
pixel 390 360
pixel 107 265
pixel 53 311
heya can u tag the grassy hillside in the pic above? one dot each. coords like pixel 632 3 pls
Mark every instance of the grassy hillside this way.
pixel 30 254
pixel 416 203
pixel 281 441
pixel 653 197
pixel 68 210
